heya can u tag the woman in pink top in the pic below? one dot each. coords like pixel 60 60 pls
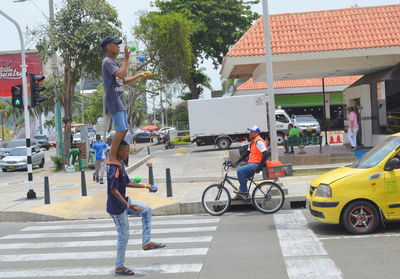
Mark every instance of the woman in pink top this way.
pixel 353 127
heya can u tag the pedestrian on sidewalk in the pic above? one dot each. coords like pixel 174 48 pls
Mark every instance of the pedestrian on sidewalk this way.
pixel 114 78
pixel 352 128
pixel 100 148
pixel 119 206
pixel 292 132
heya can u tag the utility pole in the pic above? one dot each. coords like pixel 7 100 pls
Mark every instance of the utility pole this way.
pixel 31 193
pixel 54 70
pixel 270 82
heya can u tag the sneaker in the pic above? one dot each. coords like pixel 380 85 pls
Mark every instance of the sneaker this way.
pixel 241 192
pixel 101 181
pixel 354 148
pixel 153 245
pixel 240 197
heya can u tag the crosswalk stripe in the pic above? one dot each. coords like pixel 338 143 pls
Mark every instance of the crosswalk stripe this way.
pixel 104 255
pixel 303 253
pixel 111 225
pixel 163 217
pixel 107 233
pixel 99 243
pixel 98 271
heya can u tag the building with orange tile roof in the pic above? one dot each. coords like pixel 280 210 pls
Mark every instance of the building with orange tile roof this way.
pixel 327 43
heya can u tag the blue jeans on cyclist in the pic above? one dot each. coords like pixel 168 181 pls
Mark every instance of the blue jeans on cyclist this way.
pixel 244 173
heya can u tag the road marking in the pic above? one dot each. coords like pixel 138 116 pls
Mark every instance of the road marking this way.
pixel 178 154
pixel 100 270
pixel 107 233
pixel 303 252
pixel 99 243
pixel 360 236
pixel 112 225
pixel 168 217
pixel 103 255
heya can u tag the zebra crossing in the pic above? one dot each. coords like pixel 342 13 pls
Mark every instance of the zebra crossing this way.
pixel 81 249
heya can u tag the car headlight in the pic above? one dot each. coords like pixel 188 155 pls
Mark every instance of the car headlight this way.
pixel 324 190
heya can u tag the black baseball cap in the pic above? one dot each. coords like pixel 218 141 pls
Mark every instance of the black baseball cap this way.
pixel 109 39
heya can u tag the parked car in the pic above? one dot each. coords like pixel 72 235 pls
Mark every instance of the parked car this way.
pixel 110 135
pixel 363 195
pixel 43 141
pixel 52 141
pixel 141 137
pixel 77 138
pixel 306 123
pixel 16 158
pixel 15 143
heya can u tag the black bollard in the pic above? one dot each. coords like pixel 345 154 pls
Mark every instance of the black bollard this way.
pixel 169 184
pixel 148 150
pixel 83 183
pixel 151 176
pixel 46 190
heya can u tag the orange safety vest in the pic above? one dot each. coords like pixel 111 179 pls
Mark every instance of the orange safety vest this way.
pixel 255 154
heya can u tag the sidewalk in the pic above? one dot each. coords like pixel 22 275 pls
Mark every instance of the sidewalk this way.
pixel 188 184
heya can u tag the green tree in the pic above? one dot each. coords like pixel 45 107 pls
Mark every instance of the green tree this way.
pixel 218 25
pixel 77 30
pixel 94 107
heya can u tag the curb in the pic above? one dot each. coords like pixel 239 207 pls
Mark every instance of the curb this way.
pixel 23 216
pixel 138 163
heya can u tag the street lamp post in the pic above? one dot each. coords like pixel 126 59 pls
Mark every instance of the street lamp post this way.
pixel 270 82
pixel 31 193
pixel 53 60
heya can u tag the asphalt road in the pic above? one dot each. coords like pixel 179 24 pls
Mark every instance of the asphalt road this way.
pixel 247 244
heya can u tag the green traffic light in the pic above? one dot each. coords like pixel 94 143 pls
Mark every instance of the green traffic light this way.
pixel 17 102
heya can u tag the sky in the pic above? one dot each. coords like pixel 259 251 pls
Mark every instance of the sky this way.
pixel 27 14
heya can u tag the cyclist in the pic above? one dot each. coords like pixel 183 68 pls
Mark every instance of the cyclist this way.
pixel 257 153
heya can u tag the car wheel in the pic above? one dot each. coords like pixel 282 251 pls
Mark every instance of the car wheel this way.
pixel 47 148
pixel 223 143
pixel 41 165
pixel 4 170
pixel 361 217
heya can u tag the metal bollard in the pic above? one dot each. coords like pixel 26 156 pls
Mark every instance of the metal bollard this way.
pixel 151 176
pixel 148 150
pixel 83 183
pixel 46 190
pixel 169 184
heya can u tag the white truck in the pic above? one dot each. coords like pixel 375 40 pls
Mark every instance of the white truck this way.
pixel 222 121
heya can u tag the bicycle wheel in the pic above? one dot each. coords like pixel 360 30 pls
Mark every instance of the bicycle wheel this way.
pixel 268 197
pixel 216 200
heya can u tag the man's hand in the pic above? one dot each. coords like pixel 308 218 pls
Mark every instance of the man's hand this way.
pixel 151 189
pixel 135 208
pixel 127 53
pixel 146 74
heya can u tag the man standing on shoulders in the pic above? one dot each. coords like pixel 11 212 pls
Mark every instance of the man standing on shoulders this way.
pixel 352 127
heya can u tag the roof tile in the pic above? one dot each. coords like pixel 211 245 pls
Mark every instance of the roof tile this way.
pixel 353 28
pixel 311 82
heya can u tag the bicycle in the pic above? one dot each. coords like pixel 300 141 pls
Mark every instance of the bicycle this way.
pixel 268 197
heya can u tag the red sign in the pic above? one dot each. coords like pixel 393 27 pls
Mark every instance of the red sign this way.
pixel 10 70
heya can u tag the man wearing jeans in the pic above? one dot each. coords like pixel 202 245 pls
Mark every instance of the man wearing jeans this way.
pixel 119 206
pixel 257 153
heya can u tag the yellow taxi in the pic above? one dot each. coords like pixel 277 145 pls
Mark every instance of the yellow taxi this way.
pixel 363 195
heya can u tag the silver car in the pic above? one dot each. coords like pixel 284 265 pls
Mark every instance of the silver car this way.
pixel 306 123
pixel 16 159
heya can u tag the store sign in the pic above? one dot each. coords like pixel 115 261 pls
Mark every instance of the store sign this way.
pixel 11 72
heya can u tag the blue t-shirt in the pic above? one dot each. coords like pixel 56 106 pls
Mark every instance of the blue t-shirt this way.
pixel 100 148
pixel 116 178
pixel 113 86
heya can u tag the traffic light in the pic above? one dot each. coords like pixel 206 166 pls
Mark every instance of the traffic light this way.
pixel 17 96
pixel 36 89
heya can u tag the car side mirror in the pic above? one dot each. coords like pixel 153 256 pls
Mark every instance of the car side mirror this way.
pixel 392 164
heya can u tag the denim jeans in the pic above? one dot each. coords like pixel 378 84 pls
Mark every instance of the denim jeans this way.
pixel 245 172
pixel 122 226
pixel 146 219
